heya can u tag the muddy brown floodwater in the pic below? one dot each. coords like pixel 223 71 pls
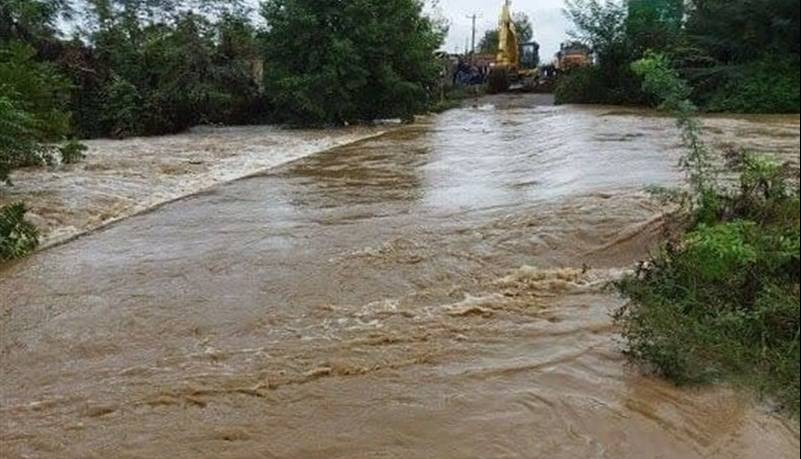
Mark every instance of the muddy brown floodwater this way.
pixel 437 292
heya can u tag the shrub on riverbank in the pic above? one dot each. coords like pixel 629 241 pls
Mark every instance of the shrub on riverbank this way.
pixel 721 302
pixel 771 85
pixel 592 85
pixel 18 237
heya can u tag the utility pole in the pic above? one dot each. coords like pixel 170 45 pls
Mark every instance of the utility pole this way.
pixel 474 17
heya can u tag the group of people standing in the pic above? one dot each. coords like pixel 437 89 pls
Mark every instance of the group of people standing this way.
pixel 470 74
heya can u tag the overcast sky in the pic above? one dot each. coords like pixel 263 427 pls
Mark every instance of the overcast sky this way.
pixel 550 25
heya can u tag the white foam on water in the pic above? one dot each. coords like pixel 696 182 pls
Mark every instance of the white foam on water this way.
pixel 120 179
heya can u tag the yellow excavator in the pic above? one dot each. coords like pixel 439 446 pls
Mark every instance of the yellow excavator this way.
pixel 516 64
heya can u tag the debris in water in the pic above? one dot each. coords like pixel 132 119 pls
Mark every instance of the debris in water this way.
pixel 473 306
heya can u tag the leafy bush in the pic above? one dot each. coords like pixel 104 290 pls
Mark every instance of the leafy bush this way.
pixel 725 306
pixel 770 85
pixel 720 253
pixel 721 302
pixel 600 85
pixel 72 152
pixel 579 86
pixel 20 142
pixel 17 236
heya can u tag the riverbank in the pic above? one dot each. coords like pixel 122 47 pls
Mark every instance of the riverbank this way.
pixel 121 178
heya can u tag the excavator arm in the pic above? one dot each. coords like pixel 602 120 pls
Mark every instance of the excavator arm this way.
pixel 508 43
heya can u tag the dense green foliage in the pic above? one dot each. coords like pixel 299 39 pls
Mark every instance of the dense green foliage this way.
pixel 144 67
pixel 31 20
pixel 721 302
pixel 765 86
pixel 591 85
pixel 17 145
pixel 35 87
pixel 152 70
pixel 17 236
pixel 739 55
pixel 32 97
pixel 737 31
pixel 341 61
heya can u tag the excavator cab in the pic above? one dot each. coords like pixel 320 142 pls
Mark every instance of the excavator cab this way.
pixel 529 56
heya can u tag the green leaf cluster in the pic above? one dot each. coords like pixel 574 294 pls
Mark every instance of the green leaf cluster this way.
pixel 332 62
pixel 737 55
pixel 18 237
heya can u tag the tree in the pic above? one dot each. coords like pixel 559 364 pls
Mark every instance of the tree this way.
pixel 32 97
pixel 655 24
pixel 489 42
pixel 744 54
pixel 18 147
pixel 147 67
pixel 149 12
pixel 36 88
pixel 737 31
pixel 237 37
pixel 603 26
pixel 30 19
pixel 335 61
pixel 740 55
pixel 524 27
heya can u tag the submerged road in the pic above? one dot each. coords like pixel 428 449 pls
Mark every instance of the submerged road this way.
pixel 437 292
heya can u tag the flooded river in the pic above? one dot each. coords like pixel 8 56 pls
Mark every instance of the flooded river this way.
pixel 437 292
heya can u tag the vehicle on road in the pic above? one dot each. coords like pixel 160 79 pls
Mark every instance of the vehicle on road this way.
pixel 516 66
